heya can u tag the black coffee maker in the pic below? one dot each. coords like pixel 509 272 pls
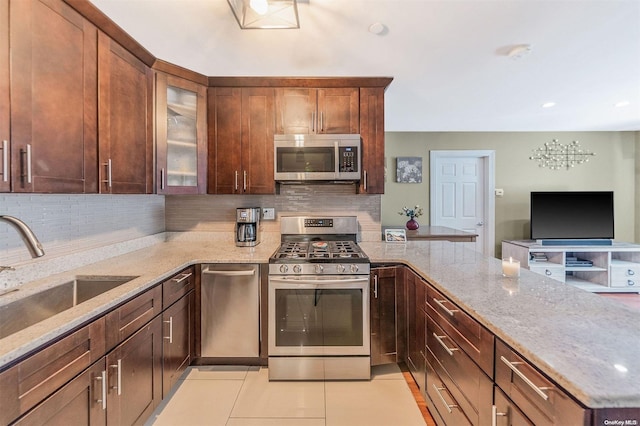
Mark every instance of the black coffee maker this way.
pixel 247 226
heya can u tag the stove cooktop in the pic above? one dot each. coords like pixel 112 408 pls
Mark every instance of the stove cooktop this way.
pixel 319 251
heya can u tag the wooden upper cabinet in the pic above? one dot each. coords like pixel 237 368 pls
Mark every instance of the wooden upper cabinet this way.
pixel 241 133
pixel 372 133
pixel 5 174
pixel 53 98
pixel 125 123
pixel 181 135
pixel 308 111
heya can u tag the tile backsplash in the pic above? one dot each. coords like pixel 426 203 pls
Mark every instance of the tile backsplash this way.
pixel 66 224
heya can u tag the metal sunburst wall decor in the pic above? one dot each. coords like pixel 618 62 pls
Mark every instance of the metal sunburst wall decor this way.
pixel 556 155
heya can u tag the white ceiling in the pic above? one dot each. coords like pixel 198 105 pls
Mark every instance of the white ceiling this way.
pixel 448 58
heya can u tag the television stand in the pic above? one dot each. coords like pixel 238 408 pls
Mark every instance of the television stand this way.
pixel 613 268
pixel 573 242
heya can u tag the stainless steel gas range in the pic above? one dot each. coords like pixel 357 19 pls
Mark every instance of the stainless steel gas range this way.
pixel 319 301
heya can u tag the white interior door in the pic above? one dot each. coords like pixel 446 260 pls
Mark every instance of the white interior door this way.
pixel 462 188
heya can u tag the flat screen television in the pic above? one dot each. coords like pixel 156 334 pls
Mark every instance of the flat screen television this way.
pixel 572 215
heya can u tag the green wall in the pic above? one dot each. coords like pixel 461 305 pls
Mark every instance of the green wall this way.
pixel 614 168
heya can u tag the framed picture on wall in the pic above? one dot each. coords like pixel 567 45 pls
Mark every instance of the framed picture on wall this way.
pixel 409 169
pixel 395 235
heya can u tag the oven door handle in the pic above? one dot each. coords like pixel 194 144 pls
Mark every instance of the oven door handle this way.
pixel 294 280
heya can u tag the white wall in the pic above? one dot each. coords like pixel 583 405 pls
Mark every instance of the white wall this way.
pixel 613 168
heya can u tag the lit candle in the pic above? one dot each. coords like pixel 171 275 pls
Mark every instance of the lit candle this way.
pixel 510 267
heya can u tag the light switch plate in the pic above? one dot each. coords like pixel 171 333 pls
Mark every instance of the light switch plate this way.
pixel 499 192
pixel 268 213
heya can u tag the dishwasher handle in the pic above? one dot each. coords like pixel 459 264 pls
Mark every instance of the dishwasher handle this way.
pixel 247 273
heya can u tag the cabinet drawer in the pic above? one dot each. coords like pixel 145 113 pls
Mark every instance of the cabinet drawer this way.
pixel 176 287
pixel 627 275
pixel 130 317
pixel 32 380
pixel 506 413
pixel 540 399
pixel 553 272
pixel 464 379
pixel 465 332
pixel 440 399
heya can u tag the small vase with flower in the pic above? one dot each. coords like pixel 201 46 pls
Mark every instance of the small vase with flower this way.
pixel 412 224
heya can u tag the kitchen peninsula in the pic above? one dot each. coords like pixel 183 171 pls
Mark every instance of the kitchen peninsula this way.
pixel 588 345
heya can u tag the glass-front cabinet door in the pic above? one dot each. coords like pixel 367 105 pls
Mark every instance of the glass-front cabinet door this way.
pixel 181 136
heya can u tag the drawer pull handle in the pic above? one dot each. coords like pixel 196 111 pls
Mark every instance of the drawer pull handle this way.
pixel 447 310
pixel 446 348
pixel 512 366
pixel 182 277
pixel 446 404
pixel 375 286
pixel 495 414
pixel 102 378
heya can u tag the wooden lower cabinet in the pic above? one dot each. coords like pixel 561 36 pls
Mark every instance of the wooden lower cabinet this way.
pixel 443 406
pixel 416 328
pixel 178 340
pixel 134 376
pixel 383 315
pixel 506 413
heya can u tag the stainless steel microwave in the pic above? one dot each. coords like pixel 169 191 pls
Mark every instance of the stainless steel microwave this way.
pixel 317 157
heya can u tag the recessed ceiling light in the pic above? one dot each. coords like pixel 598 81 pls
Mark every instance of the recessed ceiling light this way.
pixel 548 105
pixel 622 104
pixel 519 50
pixel 376 28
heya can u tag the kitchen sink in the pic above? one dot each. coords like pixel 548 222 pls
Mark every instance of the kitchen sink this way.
pixel 32 309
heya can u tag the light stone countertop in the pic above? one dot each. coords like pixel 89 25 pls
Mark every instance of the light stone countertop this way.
pixel 576 338
pixel 580 340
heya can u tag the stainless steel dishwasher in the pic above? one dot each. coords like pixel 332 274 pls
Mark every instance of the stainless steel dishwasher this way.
pixel 230 306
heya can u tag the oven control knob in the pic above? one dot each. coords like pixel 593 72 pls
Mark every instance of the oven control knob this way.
pixel 318 269
pixel 340 268
pixel 284 269
pixel 297 269
pixel 354 268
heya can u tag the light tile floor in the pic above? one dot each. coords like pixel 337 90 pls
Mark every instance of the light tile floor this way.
pixel 243 396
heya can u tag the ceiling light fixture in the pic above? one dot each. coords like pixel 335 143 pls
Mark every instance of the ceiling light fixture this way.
pixel 265 14
pixel 376 28
pixel 556 155
pixel 518 51
pixel 548 105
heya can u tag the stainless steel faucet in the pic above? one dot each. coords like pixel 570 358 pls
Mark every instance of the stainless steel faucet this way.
pixel 27 235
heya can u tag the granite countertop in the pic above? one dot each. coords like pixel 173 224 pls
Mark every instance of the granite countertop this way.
pixel 582 341
pixel 588 344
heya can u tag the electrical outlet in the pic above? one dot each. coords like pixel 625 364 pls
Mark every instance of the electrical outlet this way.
pixel 268 213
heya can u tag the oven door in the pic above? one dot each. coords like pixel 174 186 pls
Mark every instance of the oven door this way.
pixel 319 316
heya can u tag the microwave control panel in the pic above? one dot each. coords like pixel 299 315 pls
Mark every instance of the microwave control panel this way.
pixel 348 159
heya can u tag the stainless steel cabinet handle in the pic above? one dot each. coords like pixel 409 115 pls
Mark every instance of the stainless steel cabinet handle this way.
pixel 512 366
pixel 446 348
pixel 118 368
pixel 236 180
pixel 375 286
pixel 170 337
pixel 495 414
pixel 162 178
pixel 182 277
pixel 5 161
pixel 102 379
pixel 29 171
pixel 451 312
pixel 108 179
pixel 244 180
pixel 249 272
pixel 365 180
pixel 444 401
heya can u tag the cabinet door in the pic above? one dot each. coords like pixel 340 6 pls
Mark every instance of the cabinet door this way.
pixel 181 132
pixel 79 402
pixel 338 111
pixel 225 151
pixel 124 123
pixel 134 376
pixel 53 98
pixel 257 141
pixel 416 328
pixel 383 315
pixel 177 343
pixel 296 110
pixel 5 175
pixel 372 133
